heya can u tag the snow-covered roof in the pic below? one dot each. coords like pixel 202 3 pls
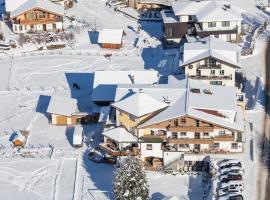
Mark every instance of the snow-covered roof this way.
pixel 110 36
pixel 208 11
pixel 62 106
pixel 120 134
pixel 211 47
pixel 13 4
pixel 41 4
pixel 106 82
pixel 139 104
pixel 170 198
pixel 197 104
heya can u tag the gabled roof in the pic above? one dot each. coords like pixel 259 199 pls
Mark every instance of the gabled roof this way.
pixel 208 97
pixel 208 11
pixel 41 4
pixel 110 36
pixel 62 106
pixel 106 82
pixel 211 47
pixel 120 135
pixel 139 104
pixel 160 2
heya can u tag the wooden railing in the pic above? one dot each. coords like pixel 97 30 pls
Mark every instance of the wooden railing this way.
pixel 37 21
pixel 191 128
pixel 133 151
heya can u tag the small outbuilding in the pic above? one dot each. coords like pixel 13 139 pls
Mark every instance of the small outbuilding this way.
pixel 111 38
pixel 19 140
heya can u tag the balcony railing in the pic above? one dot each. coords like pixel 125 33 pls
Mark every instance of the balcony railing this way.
pixel 191 128
pixel 190 141
pixel 215 30
pixel 209 66
pixel 224 138
pixel 38 21
pixel 212 77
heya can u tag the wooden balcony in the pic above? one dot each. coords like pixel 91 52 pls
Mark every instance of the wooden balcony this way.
pixel 191 129
pixel 214 31
pixel 154 138
pixel 190 141
pixel 114 152
pixel 227 138
pixel 37 21
pixel 212 77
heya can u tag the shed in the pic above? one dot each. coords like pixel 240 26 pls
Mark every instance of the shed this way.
pixel 111 38
pixel 19 140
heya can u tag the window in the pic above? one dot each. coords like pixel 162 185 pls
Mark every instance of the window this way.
pixel 183 146
pixel 206 134
pixel 174 135
pixel 190 18
pixel 152 132
pixel 216 82
pixel 132 118
pixel 211 62
pixel 31 15
pixel 32 26
pixel 149 147
pixel 222 132
pixel 225 23
pixel 54 26
pixel 183 120
pixel 42 14
pixel 183 134
pixel 211 24
pixel 20 27
pixel 212 72
pixel 197 123
pixel 234 146
pixel 221 72
pixel 175 122
pixel 197 135
pixel 215 145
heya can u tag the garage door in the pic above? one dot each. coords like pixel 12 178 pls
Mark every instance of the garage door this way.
pixel 61 120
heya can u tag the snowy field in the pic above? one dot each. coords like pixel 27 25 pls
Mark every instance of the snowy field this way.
pixel 61 172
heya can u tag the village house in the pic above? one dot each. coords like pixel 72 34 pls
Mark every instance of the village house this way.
pixel 201 19
pixel 188 118
pixel 111 38
pixel 211 60
pixel 106 83
pixel 20 138
pixel 65 111
pixel 37 16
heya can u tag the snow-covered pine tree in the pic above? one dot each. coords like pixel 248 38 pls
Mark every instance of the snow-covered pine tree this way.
pixel 130 181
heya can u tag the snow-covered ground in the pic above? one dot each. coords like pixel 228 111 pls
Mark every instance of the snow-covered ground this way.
pixel 28 80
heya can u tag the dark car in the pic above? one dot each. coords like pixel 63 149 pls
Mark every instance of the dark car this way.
pixel 231 177
pixel 236 197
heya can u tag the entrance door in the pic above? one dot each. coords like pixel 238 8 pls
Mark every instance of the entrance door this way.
pixel 44 27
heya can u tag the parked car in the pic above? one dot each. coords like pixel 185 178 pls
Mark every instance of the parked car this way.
pixel 77 140
pixel 232 196
pixel 233 169
pixel 231 177
pixel 230 163
pixel 233 185
pixel 228 190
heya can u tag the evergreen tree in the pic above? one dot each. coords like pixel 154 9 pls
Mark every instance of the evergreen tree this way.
pixel 130 181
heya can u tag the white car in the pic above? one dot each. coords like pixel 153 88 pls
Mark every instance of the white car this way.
pixel 239 185
pixel 233 169
pixel 77 139
pixel 228 190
